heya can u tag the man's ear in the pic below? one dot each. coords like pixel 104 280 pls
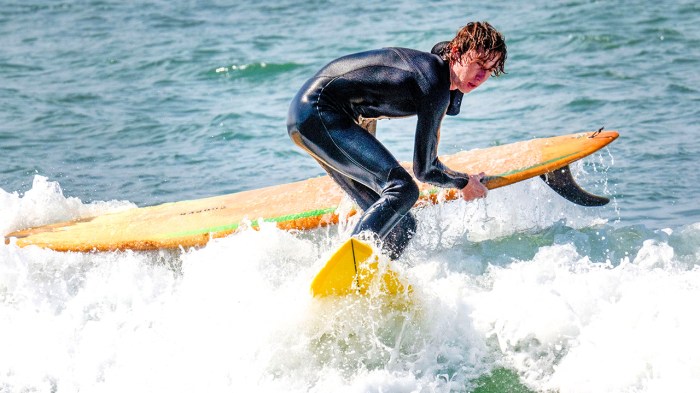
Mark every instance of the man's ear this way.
pixel 455 55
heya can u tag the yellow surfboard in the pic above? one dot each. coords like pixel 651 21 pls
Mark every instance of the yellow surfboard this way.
pixel 354 268
pixel 309 203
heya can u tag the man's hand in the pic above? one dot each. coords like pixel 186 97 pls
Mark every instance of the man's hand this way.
pixel 474 189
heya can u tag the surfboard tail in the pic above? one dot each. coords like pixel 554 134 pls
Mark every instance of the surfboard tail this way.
pixel 563 183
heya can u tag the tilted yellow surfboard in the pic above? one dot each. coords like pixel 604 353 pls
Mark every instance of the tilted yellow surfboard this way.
pixel 351 269
pixel 310 203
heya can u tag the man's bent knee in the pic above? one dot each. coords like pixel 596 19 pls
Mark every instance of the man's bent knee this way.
pixel 405 188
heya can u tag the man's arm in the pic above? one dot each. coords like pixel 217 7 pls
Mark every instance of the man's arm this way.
pixel 428 168
pixel 426 165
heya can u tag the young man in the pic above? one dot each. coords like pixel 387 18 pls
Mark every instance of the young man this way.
pixel 327 116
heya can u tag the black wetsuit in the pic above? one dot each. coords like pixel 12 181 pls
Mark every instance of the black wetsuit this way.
pixel 324 119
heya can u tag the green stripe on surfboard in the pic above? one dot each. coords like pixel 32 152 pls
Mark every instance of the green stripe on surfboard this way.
pixel 515 171
pixel 234 226
pixel 319 212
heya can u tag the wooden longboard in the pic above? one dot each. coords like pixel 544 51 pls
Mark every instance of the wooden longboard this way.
pixel 304 204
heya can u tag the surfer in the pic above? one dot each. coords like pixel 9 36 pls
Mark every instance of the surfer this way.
pixel 330 114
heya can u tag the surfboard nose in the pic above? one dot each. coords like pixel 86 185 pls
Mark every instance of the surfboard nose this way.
pixel 351 269
pixel 601 134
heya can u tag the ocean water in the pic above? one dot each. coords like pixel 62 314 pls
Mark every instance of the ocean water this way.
pixel 108 105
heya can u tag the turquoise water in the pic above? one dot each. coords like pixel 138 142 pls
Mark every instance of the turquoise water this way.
pixel 111 104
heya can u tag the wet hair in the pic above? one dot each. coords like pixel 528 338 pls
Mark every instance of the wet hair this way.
pixel 481 38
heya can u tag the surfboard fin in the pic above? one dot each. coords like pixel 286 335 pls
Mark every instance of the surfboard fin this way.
pixel 563 183
pixel 353 269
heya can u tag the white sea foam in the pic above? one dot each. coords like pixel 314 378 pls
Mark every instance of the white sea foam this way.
pixel 45 203
pixel 575 326
pixel 237 314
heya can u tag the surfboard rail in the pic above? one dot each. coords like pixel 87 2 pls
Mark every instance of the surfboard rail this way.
pixel 301 205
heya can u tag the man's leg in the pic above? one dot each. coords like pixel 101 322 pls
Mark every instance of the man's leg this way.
pixel 398 238
pixel 362 166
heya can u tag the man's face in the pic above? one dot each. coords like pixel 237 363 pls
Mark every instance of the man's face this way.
pixel 471 71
